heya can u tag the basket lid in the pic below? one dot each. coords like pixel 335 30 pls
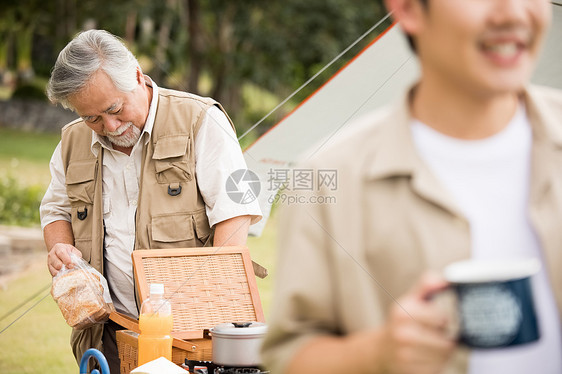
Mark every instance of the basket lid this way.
pixel 205 286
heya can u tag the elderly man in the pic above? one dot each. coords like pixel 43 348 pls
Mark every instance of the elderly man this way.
pixel 468 165
pixel 143 167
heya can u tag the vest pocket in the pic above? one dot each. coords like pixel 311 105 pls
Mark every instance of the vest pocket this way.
pixel 80 188
pixel 171 171
pixel 81 217
pixel 171 146
pixel 80 182
pixel 85 247
pixel 170 159
pixel 171 231
pixel 179 230
pixel 202 228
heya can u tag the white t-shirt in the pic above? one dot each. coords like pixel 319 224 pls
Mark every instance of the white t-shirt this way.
pixel 489 180
pixel 217 155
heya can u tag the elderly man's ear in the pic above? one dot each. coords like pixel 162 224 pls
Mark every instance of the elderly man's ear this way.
pixel 410 14
pixel 140 76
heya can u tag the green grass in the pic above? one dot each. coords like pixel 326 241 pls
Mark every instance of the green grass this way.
pixel 262 250
pixel 30 146
pixel 26 155
pixel 24 165
pixel 5 92
pixel 39 341
pixel 27 173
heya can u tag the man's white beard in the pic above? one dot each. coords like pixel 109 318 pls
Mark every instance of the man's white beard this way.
pixel 127 140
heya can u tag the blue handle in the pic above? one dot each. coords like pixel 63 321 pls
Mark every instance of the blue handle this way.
pixel 92 352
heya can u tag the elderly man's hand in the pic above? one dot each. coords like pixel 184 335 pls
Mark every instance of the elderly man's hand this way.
pixel 59 255
pixel 415 336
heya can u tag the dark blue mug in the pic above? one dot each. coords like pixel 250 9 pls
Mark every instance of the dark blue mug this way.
pixel 494 302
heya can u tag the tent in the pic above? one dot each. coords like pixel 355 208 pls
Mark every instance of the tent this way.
pixel 375 77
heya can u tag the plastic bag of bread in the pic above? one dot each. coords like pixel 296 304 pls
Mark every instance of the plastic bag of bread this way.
pixel 82 294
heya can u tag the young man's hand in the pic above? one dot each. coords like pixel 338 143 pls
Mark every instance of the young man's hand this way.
pixel 415 333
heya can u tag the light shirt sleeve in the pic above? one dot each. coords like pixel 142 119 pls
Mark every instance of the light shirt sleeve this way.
pixel 217 156
pixel 55 205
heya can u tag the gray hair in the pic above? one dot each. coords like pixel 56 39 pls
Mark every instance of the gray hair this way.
pixel 83 57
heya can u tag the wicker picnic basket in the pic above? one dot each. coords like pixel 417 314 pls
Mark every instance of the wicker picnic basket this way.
pixel 206 287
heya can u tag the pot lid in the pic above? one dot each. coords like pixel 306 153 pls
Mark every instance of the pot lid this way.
pixel 240 328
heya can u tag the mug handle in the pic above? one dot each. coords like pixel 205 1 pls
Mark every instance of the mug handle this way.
pixel 446 300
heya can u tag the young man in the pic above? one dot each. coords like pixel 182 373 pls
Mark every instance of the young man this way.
pixel 143 167
pixel 467 166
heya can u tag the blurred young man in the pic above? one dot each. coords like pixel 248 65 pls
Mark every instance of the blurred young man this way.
pixel 468 165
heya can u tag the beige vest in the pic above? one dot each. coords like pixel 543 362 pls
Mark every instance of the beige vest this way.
pixel 170 212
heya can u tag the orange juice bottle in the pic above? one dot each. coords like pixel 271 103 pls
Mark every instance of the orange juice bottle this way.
pixel 155 323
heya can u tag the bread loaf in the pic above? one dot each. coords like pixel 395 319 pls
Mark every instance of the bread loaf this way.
pixel 79 295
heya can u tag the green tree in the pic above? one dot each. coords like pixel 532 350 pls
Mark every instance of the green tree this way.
pixel 276 45
pixel 209 47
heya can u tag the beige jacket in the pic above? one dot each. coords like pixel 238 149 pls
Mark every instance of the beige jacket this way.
pixel 171 211
pixel 343 264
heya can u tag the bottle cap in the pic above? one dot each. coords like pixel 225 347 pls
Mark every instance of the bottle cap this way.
pixel 157 288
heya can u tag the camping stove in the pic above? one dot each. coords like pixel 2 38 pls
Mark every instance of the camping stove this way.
pixel 215 369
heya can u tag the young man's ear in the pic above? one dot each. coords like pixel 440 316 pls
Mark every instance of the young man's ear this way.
pixel 408 13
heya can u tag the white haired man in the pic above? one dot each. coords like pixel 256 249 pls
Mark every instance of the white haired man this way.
pixel 143 167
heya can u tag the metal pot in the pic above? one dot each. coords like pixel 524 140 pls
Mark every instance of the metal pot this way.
pixel 238 344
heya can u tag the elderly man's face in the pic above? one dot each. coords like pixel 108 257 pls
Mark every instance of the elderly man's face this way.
pixel 120 116
pixel 482 46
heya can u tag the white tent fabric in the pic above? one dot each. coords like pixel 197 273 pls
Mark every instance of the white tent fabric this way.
pixel 549 69
pixel 377 76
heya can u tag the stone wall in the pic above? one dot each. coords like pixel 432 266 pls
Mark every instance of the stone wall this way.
pixel 20 247
pixel 34 115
